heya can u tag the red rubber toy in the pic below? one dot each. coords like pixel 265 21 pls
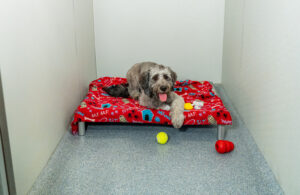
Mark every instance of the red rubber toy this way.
pixel 224 146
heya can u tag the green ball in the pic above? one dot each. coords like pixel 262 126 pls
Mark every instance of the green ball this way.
pixel 162 138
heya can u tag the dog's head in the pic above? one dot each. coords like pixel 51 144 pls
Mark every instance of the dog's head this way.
pixel 158 82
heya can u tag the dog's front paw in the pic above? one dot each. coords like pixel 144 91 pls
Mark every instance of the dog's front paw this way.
pixel 177 120
pixel 165 107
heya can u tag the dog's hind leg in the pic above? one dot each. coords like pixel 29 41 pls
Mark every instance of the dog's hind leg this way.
pixel 177 108
pixel 133 82
pixel 134 93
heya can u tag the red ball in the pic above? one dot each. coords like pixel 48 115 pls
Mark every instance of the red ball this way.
pixel 223 146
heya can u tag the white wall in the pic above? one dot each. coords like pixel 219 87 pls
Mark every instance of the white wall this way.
pixel 184 34
pixel 47 60
pixel 261 68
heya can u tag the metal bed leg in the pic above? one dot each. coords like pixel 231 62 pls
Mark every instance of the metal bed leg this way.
pixel 221 132
pixel 81 128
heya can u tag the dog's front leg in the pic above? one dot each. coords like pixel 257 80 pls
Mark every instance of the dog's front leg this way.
pixel 177 108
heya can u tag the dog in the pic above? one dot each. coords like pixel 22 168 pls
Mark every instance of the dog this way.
pixel 152 85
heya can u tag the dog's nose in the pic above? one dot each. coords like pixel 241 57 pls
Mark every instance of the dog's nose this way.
pixel 163 88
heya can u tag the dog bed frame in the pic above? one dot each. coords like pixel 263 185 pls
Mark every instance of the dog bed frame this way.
pixel 99 107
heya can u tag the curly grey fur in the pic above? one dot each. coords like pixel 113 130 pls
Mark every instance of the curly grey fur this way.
pixel 146 81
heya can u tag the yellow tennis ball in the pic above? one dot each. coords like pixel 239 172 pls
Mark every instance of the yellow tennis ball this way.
pixel 188 106
pixel 162 137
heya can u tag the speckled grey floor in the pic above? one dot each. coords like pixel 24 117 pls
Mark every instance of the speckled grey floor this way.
pixel 118 159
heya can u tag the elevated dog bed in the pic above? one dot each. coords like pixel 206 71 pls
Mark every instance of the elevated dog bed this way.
pixel 99 107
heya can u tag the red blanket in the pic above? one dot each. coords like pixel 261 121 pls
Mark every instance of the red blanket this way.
pixel 98 106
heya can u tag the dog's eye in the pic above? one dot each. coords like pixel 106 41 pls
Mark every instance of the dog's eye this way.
pixel 166 77
pixel 155 77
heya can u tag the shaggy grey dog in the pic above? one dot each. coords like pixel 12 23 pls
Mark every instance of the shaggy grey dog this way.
pixel 152 85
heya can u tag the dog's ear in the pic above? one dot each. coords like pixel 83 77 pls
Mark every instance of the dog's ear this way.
pixel 173 75
pixel 144 82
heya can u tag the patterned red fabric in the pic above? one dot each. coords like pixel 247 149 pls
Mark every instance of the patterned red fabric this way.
pixel 98 106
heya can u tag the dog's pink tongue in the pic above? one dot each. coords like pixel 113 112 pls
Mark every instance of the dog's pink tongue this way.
pixel 163 97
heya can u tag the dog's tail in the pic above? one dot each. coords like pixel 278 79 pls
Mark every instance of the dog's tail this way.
pixel 117 90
